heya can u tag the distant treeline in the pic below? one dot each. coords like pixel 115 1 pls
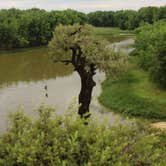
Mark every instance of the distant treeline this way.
pixel 127 19
pixel 34 27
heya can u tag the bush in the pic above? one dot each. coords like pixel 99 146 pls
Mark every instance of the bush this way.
pixel 66 140
pixel 151 48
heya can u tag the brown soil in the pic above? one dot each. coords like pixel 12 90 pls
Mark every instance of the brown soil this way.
pixel 159 125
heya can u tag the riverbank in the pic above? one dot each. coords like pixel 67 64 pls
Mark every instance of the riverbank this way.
pixel 112 34
pixel 134 95
pixel 28 50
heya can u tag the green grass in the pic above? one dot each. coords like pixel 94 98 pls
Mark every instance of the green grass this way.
pixel 15 51
pixel 135 95
pixel 112 34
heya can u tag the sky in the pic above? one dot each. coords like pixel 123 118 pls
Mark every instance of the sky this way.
pixel 81 5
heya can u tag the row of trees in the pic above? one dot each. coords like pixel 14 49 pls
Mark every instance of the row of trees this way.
pixel 150 47
pixel 34 27
pixel 127 19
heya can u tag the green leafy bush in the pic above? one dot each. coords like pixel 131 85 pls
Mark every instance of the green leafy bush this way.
pixel 150 47
pixel 67 141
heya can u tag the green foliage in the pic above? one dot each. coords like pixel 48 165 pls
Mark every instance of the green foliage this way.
pixel 102 18
pixel 51 141
pixel 92 51
pixel 127 19
pixel 33 27
pixel 134 95
pixel 150 14
pixel 151 48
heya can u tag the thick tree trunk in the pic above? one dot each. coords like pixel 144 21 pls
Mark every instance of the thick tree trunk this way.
pixel 87 84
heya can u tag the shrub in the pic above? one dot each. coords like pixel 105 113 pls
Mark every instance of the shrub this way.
pixel 66 140
pixel 151 48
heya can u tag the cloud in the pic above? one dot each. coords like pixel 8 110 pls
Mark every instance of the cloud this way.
pixel 82 5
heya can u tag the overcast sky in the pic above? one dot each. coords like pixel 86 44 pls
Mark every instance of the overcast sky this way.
pixel 81 5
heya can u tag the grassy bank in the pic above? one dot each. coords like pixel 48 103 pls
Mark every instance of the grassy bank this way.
pixel 112 34
pixel 135 95
pixel 24 50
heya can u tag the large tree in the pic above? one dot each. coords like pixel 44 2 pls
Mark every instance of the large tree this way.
pixel 77 46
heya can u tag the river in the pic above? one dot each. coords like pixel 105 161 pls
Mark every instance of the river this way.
pixel 24 75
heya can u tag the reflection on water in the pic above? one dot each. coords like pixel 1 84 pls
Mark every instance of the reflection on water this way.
pixel 29 65
pixel 23 75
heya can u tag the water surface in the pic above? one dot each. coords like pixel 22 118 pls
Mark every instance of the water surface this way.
pixel 25 73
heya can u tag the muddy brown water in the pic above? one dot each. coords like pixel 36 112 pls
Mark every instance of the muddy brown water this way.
pixel 24 75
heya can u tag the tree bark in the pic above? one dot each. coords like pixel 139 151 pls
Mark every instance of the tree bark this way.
pixel 87 84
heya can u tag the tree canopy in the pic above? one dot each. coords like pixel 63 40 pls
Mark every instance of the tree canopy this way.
pixel 73 42
pixel 127 19
pixel 33 27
